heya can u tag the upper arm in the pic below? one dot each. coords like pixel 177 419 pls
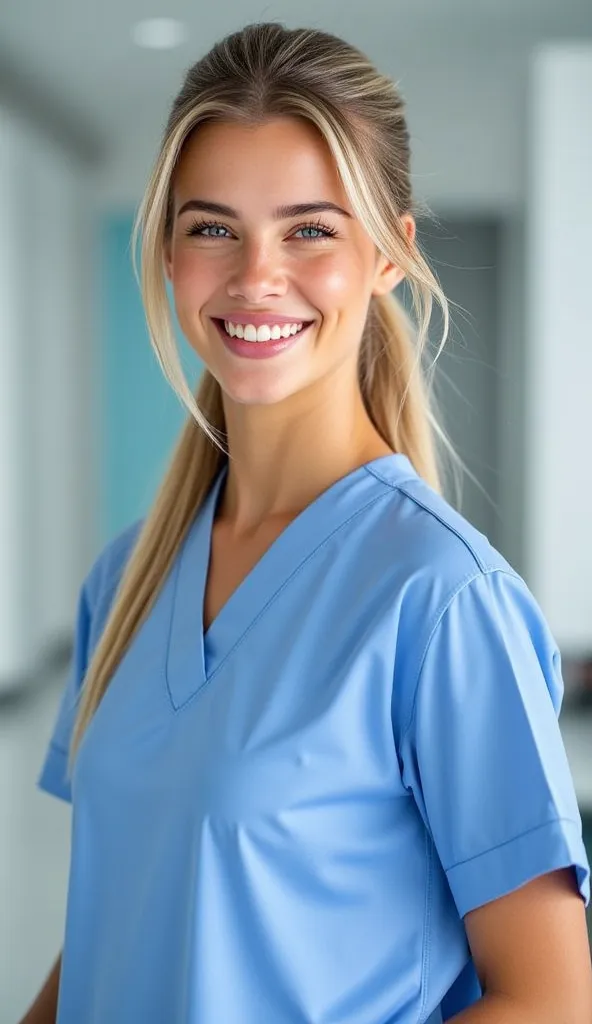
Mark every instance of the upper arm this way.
pixel 532 946
pixel 94 603
pixel 483 753
pixel 54 773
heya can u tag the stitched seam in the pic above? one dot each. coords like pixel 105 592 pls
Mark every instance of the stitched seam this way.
pixel 448 526
pixel 426 949
pixel 274 596
pixel 399 485
pixel 507 842
pixel 464 582
pixel 167 649
pixel 386 480
pixel 439 616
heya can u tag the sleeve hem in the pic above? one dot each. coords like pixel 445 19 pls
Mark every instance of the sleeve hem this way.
pixel 53 777
pixel 556 844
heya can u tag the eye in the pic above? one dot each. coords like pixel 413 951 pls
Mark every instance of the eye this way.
pixel 320 231
pixel 207 229
pixel 313 232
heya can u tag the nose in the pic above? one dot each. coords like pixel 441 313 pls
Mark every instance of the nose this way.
pixel 257 274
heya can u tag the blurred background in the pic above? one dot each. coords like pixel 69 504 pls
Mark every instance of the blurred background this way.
pixel 499 101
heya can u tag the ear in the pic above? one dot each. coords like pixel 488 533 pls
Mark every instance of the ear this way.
pixel 389 275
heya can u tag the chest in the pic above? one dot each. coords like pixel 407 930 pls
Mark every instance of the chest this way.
pixel 295 657
pixel 231 561
pixel 297 717
pixel 284 703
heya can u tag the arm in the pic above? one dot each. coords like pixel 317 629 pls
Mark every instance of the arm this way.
pixel 484 758
pixel 532 955
pixel 44 1009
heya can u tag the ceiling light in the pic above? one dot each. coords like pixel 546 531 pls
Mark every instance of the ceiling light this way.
pixel 159 33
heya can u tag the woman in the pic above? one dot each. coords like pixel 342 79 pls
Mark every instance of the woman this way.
pixel 317 769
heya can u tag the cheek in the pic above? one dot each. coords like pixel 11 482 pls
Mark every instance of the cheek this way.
pixel 192 280
pixel 338 282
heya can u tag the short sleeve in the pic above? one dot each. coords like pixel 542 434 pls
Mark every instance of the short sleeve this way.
pixel 54 774
pixel 483 753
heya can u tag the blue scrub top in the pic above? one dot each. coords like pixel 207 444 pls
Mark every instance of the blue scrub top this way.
pixel 285 820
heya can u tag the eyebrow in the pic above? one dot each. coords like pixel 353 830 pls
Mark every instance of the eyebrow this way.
pixel 280 213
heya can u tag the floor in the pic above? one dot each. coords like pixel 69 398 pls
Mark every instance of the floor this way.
pixel 34 852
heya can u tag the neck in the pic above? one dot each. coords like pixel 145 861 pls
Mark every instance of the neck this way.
pixel 278 463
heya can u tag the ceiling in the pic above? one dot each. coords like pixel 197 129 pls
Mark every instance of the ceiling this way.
pixel 73 63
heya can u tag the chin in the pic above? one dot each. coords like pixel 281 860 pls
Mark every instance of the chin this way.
pixel 253 393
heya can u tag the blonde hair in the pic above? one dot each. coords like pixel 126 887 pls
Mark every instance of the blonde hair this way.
pixel 267 71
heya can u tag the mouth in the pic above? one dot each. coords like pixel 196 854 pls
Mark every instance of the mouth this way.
pixel 261 335
pixel 262 341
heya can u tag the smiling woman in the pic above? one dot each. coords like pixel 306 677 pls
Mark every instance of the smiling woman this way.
pixel 263 265
pixel 311 719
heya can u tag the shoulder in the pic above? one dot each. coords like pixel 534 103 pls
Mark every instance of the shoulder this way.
pixel 432 541
pixel 449 585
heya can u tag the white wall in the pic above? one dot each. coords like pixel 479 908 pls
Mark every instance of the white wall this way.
pixel 467 117
pixel 466 112
pixel 558 436
pixel 511 441
pixel 48 413
pixel 15 482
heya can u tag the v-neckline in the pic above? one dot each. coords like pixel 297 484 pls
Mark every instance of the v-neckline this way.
pixel 195 656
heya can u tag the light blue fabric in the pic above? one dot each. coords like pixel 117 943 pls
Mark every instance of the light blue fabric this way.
pixel 284 821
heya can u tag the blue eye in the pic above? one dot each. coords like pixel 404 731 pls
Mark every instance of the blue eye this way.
pixel 199 227
pixel 213 229
pixel 322 231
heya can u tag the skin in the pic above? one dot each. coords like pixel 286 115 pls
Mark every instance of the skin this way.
pixel 532 955
pixel 296 422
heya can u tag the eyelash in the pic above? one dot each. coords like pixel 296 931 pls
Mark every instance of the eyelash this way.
pixel 199 225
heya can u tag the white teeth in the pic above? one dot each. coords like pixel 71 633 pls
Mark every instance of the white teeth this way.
pixel 264 333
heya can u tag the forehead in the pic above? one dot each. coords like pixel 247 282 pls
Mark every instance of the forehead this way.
pixel 281 160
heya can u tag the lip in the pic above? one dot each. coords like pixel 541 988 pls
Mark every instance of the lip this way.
pixel 258 319
pixel 250 350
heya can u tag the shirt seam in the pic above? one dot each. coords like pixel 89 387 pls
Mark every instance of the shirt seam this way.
pixel 461 585
pixel 399 485
pixel 426 950
pixel 390 483
pixel 508 842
